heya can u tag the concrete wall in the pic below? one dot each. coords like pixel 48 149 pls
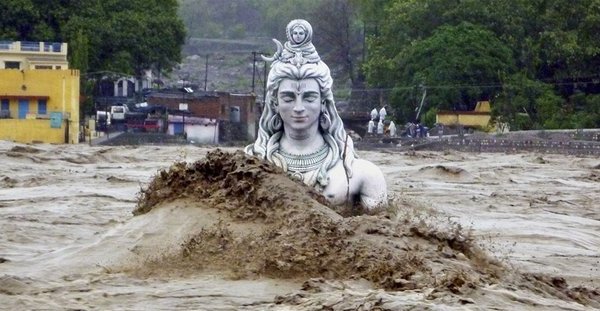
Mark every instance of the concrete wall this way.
pixel 245 102
pixel 478 118
pixel 508 145
pixel 31 131
pixel 248 112
pixel 465 118
pixel 60 90
pixel 203 134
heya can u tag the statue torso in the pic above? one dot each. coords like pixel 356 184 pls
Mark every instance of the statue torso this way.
pixel 341 188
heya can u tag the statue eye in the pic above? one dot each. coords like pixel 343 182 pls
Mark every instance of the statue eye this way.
pixel 287 98
pixel 311 97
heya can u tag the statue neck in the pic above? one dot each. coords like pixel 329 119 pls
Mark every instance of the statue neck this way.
pixel 301 142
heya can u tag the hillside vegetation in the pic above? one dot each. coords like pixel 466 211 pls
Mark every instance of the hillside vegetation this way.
pixel 229 31
pixel 535 60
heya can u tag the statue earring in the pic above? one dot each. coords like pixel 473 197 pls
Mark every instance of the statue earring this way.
pixel 325 120
pixel 276 123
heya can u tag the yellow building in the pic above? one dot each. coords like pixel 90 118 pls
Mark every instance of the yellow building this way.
pixel 39 94
pixel 478 118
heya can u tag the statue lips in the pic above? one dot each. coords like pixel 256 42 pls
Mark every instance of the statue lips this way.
pixel 299 119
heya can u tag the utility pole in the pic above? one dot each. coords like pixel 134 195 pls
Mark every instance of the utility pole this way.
pixel 265 82
pixel 422 101
pixel 206 73
pixel 253 69
pixel 184 106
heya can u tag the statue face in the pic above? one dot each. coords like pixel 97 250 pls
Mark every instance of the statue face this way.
pixel 299 103
pixel 298 34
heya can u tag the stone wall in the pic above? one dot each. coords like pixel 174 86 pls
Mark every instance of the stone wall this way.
pixel 508 145
pixel 575 142
pixel 141 138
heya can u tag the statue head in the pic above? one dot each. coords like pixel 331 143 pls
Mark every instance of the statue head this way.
pixel 299 32
pixel 330 126
pixel 301 131
pixel 317 72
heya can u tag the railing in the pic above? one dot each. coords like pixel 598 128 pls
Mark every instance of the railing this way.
pixel 52 47
pixel 29 46
pixel 5 45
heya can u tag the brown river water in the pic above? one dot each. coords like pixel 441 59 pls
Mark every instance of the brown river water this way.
pixel 463 231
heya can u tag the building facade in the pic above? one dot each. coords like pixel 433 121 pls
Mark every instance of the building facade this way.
pixel 39 94
pixel 238 111
pixel 478 118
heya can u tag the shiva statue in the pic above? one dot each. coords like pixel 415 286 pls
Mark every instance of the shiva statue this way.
pixel 301 131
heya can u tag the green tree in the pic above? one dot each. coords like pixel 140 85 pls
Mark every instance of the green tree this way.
pixel 527 104
pixel 458 65
pixel 22 19
pixel 341 37
pixel 80 52
pixel 126 37
pixel 554 44
pixel 123 36
pixel 587 111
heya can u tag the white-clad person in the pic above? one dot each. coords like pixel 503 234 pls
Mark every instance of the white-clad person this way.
pixel 380 127
pixel 374 114
pixel 392 129
pixel 371 127
pixel 382 113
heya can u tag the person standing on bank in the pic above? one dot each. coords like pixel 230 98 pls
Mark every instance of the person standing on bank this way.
pixel 371 127
pixel 374 114
pixel 301 131
pixel 382 114
pixel 380 127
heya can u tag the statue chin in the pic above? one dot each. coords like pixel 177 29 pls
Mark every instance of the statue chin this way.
pixel 325 158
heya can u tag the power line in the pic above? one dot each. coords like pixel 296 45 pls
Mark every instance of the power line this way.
pixel 466 86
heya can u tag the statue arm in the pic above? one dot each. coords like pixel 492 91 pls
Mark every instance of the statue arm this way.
pixel 373 188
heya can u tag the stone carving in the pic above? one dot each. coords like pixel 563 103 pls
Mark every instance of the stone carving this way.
pixel 301 131
pixel 298 50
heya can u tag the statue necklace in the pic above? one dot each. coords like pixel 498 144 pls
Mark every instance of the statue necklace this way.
pixel 299 164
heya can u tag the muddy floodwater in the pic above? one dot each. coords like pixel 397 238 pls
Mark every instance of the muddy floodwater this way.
pixel 191 228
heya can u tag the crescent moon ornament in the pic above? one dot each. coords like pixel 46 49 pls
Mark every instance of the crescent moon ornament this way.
pixel 277 54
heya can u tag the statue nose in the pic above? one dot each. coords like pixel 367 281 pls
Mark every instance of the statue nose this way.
pixel 298 106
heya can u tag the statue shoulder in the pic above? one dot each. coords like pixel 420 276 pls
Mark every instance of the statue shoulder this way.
pixel 366 169
pixel 372 184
